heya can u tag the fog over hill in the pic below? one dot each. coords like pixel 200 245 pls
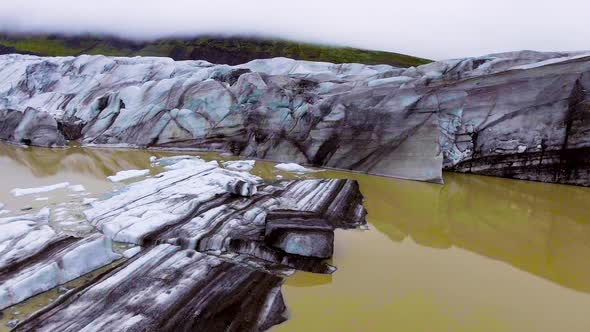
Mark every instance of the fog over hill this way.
pixel 430 29
pixel 215 49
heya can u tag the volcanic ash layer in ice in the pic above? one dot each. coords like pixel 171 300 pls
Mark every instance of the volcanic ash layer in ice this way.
pixel 167 288
pixel 213 255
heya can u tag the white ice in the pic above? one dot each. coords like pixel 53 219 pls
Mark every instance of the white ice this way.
pixel 83 257
pixel 129 174
pixel 149 205
pixel 77 188
pixel 296 168
pixel 31 191
pixel 131 252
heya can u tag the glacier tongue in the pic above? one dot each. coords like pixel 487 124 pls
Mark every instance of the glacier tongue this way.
pixel 280 109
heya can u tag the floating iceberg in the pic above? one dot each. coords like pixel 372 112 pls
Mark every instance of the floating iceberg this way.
pixel 239 165
pixel 296 168
pixel 127 175
pixel 31 191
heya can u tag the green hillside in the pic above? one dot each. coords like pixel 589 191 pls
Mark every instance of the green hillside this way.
pixel 213 49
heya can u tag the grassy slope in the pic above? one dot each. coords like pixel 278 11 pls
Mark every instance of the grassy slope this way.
pixel 213 49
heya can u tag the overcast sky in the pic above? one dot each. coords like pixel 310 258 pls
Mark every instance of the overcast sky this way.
pixel 435 29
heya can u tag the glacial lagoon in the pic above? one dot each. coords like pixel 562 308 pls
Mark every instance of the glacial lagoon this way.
pixel 475 254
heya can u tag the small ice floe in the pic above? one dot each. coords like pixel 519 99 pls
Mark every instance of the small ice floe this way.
pixel 2 210
pixel 166 161
pixel 186 163
pixel 296 168
pixel 239 165
pixel 77 188
pixel 86 201
pixel 130 174
pixel 17 192
pixel 42 198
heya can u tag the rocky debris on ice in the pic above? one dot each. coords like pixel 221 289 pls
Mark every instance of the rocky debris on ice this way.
pixel 202 234
pixel 12 323
pixel 181 290
pixel 17 192
pixel 241 188
pixel 204 207
pixel 128 175
pixel 29 126
pixel 239 165
pixel 295 168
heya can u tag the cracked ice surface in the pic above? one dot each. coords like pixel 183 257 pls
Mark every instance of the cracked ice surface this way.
pixel 146 206
pixel 35 258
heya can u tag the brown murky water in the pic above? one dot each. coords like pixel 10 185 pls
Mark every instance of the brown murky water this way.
pixel 477 254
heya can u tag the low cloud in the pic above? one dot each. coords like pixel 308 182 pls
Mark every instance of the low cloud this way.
pixel 428 28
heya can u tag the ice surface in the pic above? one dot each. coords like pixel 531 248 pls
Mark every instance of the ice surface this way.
pixel 24 236
pixel 151 204
pixel 551 61
pixel 77 259
pixel 239 165
pixel 132 252
pixel 129 174
pixel 296 168
pixel 31 191
pixel 77 188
